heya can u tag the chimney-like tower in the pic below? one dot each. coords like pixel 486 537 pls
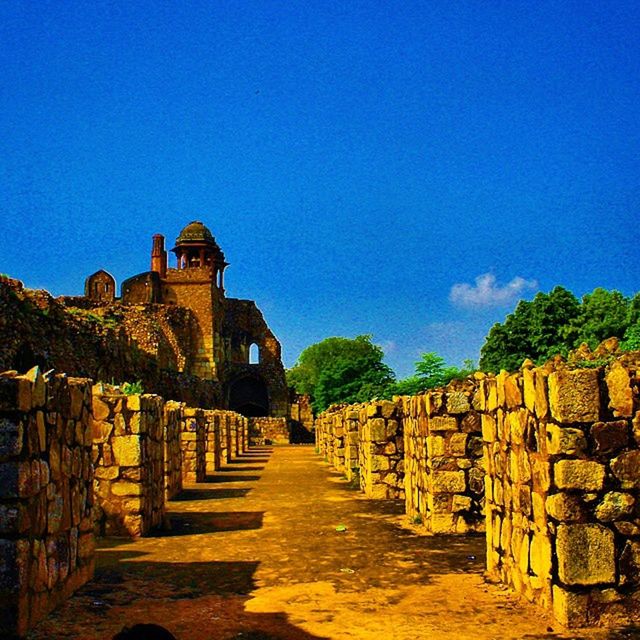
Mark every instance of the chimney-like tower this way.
pixel 159 256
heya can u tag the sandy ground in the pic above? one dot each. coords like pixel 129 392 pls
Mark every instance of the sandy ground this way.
pixel 254 554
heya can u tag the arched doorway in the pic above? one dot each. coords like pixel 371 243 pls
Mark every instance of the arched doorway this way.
pixel 249 396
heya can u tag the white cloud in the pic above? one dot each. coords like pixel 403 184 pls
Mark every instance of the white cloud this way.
pixel 487 293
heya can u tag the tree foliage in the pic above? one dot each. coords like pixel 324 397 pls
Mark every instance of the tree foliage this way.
pixel 341 370
pixel 557 322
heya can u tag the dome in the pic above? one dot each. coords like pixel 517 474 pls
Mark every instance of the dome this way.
pixel 195 232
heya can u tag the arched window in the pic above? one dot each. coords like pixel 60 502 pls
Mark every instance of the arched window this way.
pixel 254 354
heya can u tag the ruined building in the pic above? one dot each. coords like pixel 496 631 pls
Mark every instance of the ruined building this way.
pixel 229 342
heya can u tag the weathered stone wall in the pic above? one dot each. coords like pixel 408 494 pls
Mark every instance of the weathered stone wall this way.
pixel 563 488
pixel 365 440
pixel 212 441
pixel 444 474
pixel 129 459
pixel 46 495
pixel 192 443
pixel 269 431
pixel 172 420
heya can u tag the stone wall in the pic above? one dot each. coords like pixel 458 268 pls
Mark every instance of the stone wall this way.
pixel 366 441
pixel 269 431
pixel 563 488
pixel 46 495
pixel 192 443
pixel 172 420
pixel 129 459
pixel 444 474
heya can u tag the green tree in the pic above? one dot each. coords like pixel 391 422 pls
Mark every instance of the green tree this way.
pixel 603 314
pixel 341 370
pixel 431 372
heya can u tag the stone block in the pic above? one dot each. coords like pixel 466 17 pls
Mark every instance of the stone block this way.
pixel 458 444
pixel 570 609
pixel 377 429
pixel 512 393
pixel 565 507
pixel 457 402
pixel 619 386
pixel 126 489
pixel 615 505
pixel 579 474
pixel 574 395
pixel 127 450
pixel 460 503
pixel 471 423
pixel 610 437
pixel 565 441
pixel 448 482
pixel 586 554
pixel 443 423
pixel 489 429
pixel 626 468
pixel 99 409
pixel 540 555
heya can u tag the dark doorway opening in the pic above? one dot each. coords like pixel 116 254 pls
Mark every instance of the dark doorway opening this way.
pixel 249 396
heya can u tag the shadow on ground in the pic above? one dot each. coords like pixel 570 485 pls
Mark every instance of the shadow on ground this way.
pixel 195 601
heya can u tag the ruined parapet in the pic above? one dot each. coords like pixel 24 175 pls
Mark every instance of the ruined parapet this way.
pixel 129 459
pixel 269 430
pixel 444 474
pixel 563 488
pixel 381 451
pixel 351 443
pixel 172 420
pixel 47 543
pixel 192 443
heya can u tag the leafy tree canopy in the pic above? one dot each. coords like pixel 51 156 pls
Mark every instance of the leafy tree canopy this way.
pixel 341 370
pixel 557 322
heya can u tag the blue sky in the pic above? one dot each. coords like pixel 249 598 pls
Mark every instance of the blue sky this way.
pixel 404 169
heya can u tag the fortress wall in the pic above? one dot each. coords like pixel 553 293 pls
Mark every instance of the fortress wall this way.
pixel 192 443
pixel 129 459
pixel 269 430
pixel 172 420
pixel 444 474
pixel 46 495
pixel 563 488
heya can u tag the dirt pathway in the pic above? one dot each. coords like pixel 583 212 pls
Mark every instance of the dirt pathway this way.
pixel 254 554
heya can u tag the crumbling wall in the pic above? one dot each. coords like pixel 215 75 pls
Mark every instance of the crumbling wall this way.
pixel 46 495
pixel 563 488
pixel 269 430
pixel 444 473
pixel 129 459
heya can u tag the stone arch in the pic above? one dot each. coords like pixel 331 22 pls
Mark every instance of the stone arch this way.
pixel 249 396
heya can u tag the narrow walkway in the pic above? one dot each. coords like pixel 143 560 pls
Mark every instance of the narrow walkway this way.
pixel 254 554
